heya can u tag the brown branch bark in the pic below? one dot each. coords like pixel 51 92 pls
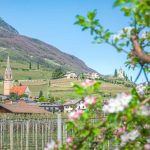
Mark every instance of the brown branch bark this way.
pixel 145 101
pixel 145 58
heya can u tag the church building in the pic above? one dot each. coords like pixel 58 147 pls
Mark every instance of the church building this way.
pixel 9 86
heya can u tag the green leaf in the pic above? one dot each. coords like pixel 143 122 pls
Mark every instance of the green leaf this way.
pixel 85 133
pixel 78 89
pixel 96 86
pixel 96 131
pixel 121 44
pixel 126 11
pixel 91 15
pixel 118 2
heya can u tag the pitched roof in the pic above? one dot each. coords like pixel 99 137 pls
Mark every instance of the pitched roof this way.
pixel 20 90
pixel 23 108
pixel 72 102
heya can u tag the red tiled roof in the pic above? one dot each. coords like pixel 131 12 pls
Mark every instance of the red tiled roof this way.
pixel 23 108
pixel 20 90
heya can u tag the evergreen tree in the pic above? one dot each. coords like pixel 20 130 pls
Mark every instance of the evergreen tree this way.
pixel 30 65
pixel 126 77
pixel 131 78
pixel 40 94
pixel 115 73
pixel 58 73
pixel 38 66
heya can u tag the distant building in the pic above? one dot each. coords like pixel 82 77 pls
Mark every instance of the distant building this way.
pixel 94 75
pixel 120 73
pixel 8 83
pixel 70 75
pixel 71 105
pixel 74 105
pixel 20 108
pixel 51 107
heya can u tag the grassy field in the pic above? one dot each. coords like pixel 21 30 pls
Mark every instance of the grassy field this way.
pixel 62 88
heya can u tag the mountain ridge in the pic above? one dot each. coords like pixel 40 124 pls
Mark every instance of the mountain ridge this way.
pixel 32 49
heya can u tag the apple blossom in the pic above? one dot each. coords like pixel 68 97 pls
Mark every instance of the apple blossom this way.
pixel 89 100
pixel 140 89
pixel 117 104
pixel 69 140
pixel 144 110
pixel 131 136
pixel 75 114
pixel 147 146
pixel 51 146
pixel 88 83
pixel 121 130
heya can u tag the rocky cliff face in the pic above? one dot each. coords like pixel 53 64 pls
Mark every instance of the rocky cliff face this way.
pixel 25 47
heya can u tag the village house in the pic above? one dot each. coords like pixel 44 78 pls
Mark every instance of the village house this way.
pixel 70 75
pixel 20 108
pixel 94 75
pixel 74 105
pixel 51 107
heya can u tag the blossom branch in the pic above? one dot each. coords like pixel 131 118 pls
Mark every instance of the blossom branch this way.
pixel 138 51
pixel 145 101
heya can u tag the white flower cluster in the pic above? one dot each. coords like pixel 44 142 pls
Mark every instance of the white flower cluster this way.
pixel 51 146
pixel 144 110
pixel 117 104
pixel 125 31
pixel 140 89
pixel 144 35
pixel 131 136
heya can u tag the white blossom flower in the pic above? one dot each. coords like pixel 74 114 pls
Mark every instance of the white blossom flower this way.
pixel 140 89
pixel 144 35
pixel 50 146
pixel 148 140
pixel 116 36
pixel 131 136
pixel 117 104
pixel 144 110
pixel 125 31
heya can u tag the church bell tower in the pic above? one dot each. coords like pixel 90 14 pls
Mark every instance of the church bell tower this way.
pixel 8 79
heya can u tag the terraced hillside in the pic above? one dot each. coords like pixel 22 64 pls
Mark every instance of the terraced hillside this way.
pixel 62 88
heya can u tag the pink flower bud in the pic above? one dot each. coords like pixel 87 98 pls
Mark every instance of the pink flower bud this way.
pixel 90 100
pixel 83 84
pixel 73 116
pixel 88 83
pixel 69 140
pixel 147 146
pixel 79 112
pixel 121 130
pixel 86 104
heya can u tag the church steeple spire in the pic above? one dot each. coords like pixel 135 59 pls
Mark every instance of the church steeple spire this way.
pixel 8 79
pixel 8 73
